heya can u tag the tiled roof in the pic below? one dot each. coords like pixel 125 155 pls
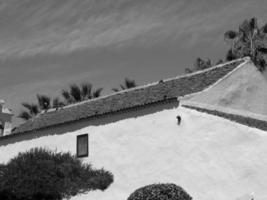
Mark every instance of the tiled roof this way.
pixel 156 92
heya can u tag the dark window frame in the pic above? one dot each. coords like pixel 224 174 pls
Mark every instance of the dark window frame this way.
pixel 80 137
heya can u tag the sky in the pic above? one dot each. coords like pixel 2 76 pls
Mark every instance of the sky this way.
pixel 45 45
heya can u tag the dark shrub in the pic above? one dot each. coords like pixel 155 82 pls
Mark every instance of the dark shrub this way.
pixel 160 192
pixel 41 174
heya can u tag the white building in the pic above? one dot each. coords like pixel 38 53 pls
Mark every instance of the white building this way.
pixel 217 152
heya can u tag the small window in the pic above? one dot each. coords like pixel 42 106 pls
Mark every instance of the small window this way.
pixel 82 145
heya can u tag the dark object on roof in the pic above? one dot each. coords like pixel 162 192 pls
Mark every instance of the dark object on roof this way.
pixel 178 119
pixel 167 90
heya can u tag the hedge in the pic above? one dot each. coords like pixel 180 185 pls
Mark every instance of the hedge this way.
pixel 41 174
pixel 167 191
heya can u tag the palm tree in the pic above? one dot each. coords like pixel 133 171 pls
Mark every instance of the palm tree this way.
pixel 57 103
pixel 97 93
pixel 31 111
pixel 77 93
pixel 74 94
pixel 249 40
pixel 200 64
pixel 127 84
pixel 43 104
pixel 66 95
pixel 25 115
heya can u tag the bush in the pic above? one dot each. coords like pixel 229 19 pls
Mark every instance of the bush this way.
pixel 160 192
pixel 41 174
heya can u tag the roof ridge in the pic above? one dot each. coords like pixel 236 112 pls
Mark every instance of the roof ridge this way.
pixel 246 60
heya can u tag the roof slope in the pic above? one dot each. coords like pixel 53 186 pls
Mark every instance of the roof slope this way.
pixel 244 92
pixel 160 91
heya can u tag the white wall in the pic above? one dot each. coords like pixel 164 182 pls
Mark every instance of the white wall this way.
pixel 209 157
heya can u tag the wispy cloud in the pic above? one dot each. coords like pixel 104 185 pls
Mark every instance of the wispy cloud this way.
pixel 36 27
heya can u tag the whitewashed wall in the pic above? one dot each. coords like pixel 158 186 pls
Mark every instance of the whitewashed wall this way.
pixel 209 157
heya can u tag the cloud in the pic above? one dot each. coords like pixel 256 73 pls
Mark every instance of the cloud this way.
pixel 36 27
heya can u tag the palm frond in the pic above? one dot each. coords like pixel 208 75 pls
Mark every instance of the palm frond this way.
pixel 44 102
pixel 115 89
pixel 201 64
pixel 230 35
pixel 219 62
pixel 26 105
pixel 25 115
pixel 75 92
pixel 97 93
pixel 32 108
pixel 129 83
pixel 188 70
pixel 35 109
pixel 264 28
pixel 57 103
pixel 250 41
pixel 66 95
pixel 122 87
pixel 230 55
pixel 86 89
pixel 262 50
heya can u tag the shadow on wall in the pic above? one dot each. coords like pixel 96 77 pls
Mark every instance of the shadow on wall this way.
pixel 92 121
pixel 1 129
pixel 251 122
